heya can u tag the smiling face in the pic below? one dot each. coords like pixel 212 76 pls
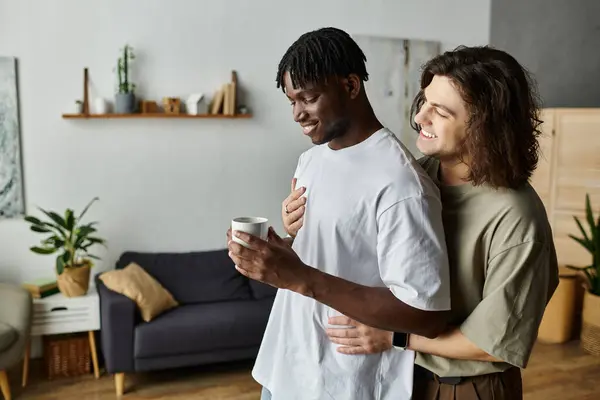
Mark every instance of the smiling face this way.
pixel 321 110
pixel 443 120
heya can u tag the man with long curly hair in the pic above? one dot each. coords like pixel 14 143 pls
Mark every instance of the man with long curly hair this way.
pixel 477 118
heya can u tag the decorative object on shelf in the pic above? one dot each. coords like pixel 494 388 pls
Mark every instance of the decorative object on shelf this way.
pixel 156 115
pixel 225 100
pixel 125 96
pixel 148 107
pixel 590 331
pixel 216 106
pixel 12 203
pixel 171 105
pixel 195 104
pixel 72 239
pixel 78 108
pixel 223 105
pixel 100 106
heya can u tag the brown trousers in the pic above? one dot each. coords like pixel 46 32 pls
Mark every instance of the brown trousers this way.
pixel 505 385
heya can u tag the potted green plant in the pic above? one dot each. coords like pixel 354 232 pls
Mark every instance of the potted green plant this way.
pixel 125 96
pixel 67 235
pixel 590 332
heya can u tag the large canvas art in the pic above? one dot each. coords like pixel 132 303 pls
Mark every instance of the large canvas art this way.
pixel 394 67
pixel 11 177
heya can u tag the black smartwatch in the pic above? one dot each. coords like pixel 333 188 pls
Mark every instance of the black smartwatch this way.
pixel 400 340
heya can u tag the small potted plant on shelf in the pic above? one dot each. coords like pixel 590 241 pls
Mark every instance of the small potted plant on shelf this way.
pixel 72 239
pixel 590 332
pixel 125 96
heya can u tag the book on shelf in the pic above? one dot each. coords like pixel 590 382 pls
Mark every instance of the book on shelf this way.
pixel 41 288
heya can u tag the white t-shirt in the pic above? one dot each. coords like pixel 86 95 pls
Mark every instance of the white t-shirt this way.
pixel 373 217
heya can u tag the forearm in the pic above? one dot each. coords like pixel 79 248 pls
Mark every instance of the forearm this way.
pixel 376 307
pixel 452 344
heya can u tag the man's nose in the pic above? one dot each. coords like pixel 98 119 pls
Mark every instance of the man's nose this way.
pixel 299 112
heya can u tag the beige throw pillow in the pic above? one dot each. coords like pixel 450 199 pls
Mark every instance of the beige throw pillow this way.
pixel 134 282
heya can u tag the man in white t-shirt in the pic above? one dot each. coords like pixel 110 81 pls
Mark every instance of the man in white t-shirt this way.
pixel 372 243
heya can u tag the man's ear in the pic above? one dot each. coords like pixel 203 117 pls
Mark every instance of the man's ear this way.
pixel 353 85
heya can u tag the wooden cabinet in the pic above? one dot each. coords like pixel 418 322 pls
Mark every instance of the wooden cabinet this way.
pixel 569 167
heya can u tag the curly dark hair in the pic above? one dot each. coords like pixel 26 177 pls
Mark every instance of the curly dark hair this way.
pixel 501 143
pixel 320 54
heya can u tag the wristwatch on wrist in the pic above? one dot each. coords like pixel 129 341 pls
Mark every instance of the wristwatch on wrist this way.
pixel 400 340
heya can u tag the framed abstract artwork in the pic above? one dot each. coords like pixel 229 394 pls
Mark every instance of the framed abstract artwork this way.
pixel 12 202
pixel 394 67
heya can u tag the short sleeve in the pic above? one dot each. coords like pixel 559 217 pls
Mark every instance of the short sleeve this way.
pixel 411 249
pixel 519 283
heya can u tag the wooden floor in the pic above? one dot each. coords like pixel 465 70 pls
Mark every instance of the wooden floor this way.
pixel 555 372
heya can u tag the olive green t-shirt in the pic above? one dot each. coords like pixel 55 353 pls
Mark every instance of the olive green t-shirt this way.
pixel 503 271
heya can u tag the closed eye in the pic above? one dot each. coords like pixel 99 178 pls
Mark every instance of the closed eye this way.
pixel 440 114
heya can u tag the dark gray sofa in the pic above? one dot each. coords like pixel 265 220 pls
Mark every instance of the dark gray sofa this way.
pixel 222 315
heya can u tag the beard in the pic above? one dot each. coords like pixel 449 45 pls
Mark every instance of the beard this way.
pixel 333 130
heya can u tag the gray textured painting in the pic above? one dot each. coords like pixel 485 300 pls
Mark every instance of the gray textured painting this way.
pixel 394 67
pixel 11 184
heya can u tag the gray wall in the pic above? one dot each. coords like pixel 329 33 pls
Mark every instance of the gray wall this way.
pixel 558 41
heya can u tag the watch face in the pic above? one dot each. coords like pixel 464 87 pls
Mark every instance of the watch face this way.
pixel 400 339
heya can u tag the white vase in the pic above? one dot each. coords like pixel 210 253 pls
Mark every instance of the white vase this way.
pixel 77 108
pixel 100 106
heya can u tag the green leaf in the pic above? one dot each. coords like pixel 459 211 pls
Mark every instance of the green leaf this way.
pixel 581 228
pixel 87 207
pixel 60 265
pixel 574 267
pixel 54 241
pixel 597 260
pixel 55 217
pixel 85 231
pixel 590 278
pixel 33 220
pixel 40 229
pixel 66 259
pixel 590 218
pixel 94 257
pixel 91 241
pixel 584 243
pixel 69 220
pixel 43 250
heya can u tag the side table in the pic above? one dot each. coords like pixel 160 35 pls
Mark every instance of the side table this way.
pixel 57 314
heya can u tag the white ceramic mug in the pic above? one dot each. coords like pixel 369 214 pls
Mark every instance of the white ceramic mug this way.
pixel 256 226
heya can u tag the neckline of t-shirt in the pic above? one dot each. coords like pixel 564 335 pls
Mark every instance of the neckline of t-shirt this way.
pixel 359 146
pixel 453 190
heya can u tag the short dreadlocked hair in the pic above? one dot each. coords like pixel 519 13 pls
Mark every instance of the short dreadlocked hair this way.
pixel 320 54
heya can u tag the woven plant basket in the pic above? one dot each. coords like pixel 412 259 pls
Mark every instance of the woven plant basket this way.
pixel 74 282
pixel 590 330
pixel 67 355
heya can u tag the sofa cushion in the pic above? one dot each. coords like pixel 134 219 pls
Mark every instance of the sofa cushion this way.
pixel 8 335
pixel 197 328
pixel 134 282
pixel 193 277
pixel 262 290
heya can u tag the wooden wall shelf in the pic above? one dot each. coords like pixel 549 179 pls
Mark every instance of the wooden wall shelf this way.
pixel 156 115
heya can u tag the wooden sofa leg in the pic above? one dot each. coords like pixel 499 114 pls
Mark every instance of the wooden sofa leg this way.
pixel 119 382
pixel 4 385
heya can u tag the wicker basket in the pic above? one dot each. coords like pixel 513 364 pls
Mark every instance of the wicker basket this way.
pixel 590 332
pixel 67 355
